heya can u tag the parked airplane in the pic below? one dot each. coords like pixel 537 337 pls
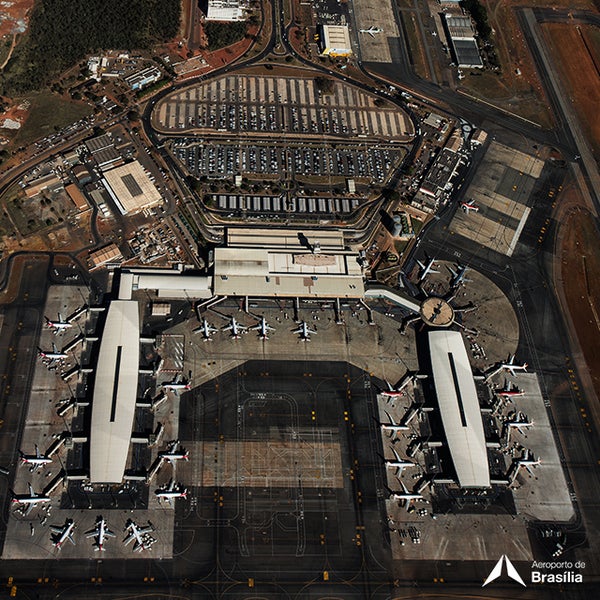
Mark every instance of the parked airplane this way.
pixel 510 390
pixel 177 385
pixel 426 268
pixel 58 326
pixel 405 497
pixel 371 31
pixel 511 367
pixel 397 463
pixel 35 460
pixel 141 535
pixel 469 206
pixel 516 421
pixel 206 329
pixel 99 533
pixel 30 500
pixel 304 331
pixel 398 390
pixel 236 329
pixel 527 461
pixel 392 426
pixel 171 492
pixel 60 535
pixel 172 454
pixel 458 276
pixel 56 354
pixel 263 328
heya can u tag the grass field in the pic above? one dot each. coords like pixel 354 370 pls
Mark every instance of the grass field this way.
pixel 572 48
pixel 48 113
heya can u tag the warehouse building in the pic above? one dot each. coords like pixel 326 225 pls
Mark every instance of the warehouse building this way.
pixel 461 38
pixel 131 189
pixel 334 40
pixel 224 10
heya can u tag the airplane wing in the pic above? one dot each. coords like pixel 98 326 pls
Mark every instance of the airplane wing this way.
pixel 31 492
pixel 404 488
pixel 129 538
pixel 108 533
pixel 391 421
pixel 55 529
pixel 397 455
pixel 91 532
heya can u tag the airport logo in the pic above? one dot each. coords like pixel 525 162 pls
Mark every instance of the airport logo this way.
pixel 510 571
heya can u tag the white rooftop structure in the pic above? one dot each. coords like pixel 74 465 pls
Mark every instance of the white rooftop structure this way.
pixel 224 10
pixel 459 408
pixel 130 188
pixel 275 272
pixel 115 391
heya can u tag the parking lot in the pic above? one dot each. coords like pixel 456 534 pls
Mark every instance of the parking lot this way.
pixel 352 160
pixel 246 103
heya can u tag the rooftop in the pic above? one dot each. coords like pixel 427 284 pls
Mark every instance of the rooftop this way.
pixel 459 408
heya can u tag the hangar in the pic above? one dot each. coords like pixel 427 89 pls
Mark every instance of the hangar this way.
pixel 335 40
pixel 115 390
pixel 459 408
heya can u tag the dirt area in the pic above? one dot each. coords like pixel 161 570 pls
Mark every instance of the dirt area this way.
pixel 574 49
pixel 13 16
pixel 580 272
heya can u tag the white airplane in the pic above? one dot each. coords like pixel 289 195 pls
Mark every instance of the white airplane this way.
pixel 236 329
pixel 398 390
pixel 171 492
pixel 141 535
pixel 100 533
pixel 511 367
pixel 30 500
pixel 517 421
pixel 56 354
pixel 60 535
pixel 371 31
pixel 172 454
pixel 35 460
pixel 392 426
pixel 58 326
pixel 206 329
pixel 469 206
pixel 458 276
pixel 426 268
pixel 509 390
pixel 263 328
pixel 527 461
pixel 406 497
pixel 397 463
pixel 304 331
pixel 177 385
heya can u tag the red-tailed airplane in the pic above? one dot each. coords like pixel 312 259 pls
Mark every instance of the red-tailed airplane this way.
pixel 100 533
pixel 58 326
pixel 35 460
pixel 469 206
pixel 60 535
pixel 172 454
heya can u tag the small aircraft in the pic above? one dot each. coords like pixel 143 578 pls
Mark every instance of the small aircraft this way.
pixel 35 460
pixel 171 492
pixel 406 497
pixel 58 326
pixel 426 268
pixel 371 31
pixel 30 500
pixel 206 330
pixel 177 385
pixel 469 206
pixel 60 535
pixel 510 390
pixel 392 426
pixel 263 328
pixel 100 532
pixel 141 535
pixel 511 367
pixel 304 331
pixel 397 463
pixel 458 276
pixel 516 421
pixel 56 354
pixel 172 454
pixel 236 329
